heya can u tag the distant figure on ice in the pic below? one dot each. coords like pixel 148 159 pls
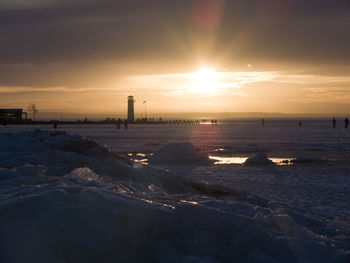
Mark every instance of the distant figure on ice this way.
pixel 125 124
pixel 346 121
pixel 119 122
pixel 55 123
pixel 334 122
pixel 300 124
pixel 262 122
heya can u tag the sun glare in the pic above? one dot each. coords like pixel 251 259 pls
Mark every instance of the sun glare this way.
pixel 204 81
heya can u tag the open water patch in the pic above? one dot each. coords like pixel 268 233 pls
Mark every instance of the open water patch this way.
pixel 142 158
pixel 222 160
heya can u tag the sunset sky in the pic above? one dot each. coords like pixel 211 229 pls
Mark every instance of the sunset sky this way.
pixel 290 56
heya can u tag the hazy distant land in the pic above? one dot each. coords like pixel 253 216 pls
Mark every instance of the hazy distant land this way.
pixel 191 115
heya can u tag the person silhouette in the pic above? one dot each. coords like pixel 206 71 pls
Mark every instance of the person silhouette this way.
pixel 55 123
pixel 334 122
pixel 346 121
pixel 300 124
pixel 125 124
pixel 119 121
pixel 262 122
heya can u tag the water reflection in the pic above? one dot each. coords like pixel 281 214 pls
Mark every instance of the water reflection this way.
pixel 219 150
pixel 143 161
pixel 228 160
pixel 240 160
pixel 138 158
pixel 142 158
pixel 283 161
pixel 189 202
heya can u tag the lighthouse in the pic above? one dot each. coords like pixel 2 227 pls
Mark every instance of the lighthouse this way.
pixel 131 108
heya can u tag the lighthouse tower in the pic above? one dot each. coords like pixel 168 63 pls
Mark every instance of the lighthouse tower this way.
pixel 131 108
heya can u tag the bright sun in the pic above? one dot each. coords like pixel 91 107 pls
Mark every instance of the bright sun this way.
pixel 204 81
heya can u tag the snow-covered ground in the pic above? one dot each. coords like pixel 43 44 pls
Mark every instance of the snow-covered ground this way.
pixel 67 198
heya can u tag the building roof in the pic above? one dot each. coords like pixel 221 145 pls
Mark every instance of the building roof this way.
pixel 11 110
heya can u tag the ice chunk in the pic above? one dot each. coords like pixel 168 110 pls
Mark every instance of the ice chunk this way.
pixel 259 160
pixel 256 256
pixel 30 170
pixel 282 222
pixel 341 225
pixel 298 250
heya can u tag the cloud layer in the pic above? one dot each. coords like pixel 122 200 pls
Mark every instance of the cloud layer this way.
pixel 90 44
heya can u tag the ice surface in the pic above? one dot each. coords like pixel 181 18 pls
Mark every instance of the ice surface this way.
pixel 179 153
pixel 67 198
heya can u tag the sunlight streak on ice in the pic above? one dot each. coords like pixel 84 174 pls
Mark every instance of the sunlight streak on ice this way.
pixel 241 160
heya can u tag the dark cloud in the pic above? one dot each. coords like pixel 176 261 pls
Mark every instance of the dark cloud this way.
pixel 77 33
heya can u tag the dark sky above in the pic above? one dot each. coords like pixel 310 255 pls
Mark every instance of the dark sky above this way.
pixel 82 43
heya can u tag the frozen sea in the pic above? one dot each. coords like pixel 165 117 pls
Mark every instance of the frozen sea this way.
pixel 176 193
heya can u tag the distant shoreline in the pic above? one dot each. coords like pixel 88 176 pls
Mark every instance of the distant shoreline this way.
pixel 170 121
pixel 46 116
